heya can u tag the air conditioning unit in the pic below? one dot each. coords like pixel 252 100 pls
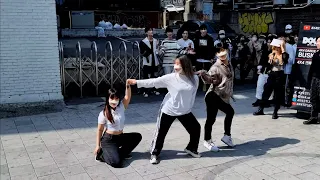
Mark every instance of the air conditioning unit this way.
pixel 281 2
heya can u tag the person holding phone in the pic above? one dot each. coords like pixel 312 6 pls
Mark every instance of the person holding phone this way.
pixel 278 58
pixel 113 146
pixel 177 104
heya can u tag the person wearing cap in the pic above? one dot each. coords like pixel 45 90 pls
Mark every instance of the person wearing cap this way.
pixel 277 60
pixel 220 77
pixel 288 29
pixel 314 85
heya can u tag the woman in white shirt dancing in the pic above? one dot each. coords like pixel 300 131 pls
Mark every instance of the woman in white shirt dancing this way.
pixel 112 144
pixel 182 88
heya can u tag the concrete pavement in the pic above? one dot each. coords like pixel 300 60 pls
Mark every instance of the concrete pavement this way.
pixel 60 145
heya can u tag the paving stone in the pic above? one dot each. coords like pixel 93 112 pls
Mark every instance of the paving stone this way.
pixel 4 169
pixel 31 176
pixel 47 170
pixel 155 176
pixel 72 170
pixel 5 176
pixel 131 176
pixel 308 176
pixel 284 175
pixel 293 169
pixel 121 171
pixel 21 170
pixel 147 169
pixel 43 162
pixel 57 176
pixel 182 176
pixel 268 169
pixel 83 176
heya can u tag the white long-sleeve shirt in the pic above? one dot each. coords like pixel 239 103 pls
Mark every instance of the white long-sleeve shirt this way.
pixel 181 92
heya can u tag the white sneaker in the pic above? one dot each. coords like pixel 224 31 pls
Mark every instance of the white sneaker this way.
pixel 154 159
pixel 211 146
pixel 156 93
pixel 193 153
pixel 145 95
pixel 227 140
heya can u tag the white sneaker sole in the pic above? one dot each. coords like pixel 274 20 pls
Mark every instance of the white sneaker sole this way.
pixel 210 149
pixel 154 162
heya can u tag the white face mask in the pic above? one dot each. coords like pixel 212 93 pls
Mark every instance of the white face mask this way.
pixel 254 38
pixel 222 36
pixel 113 103
pixel 177 68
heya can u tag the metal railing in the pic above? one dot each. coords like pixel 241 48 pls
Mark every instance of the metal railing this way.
pixel 98 68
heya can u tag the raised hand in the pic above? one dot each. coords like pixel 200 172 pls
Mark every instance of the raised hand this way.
pixel 131 81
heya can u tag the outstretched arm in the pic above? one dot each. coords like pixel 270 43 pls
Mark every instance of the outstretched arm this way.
pixel 160 82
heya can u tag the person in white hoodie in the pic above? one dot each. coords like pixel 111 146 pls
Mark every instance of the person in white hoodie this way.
pixel 177 104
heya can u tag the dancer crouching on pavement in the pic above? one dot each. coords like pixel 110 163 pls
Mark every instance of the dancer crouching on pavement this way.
pixel 220 76
pixel 177 104
pixel 112 144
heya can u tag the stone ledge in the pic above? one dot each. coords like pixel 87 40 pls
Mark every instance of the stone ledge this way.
pixel 27 109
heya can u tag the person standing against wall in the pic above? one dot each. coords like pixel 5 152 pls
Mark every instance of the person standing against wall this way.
pixel 148 50
pixel 314 86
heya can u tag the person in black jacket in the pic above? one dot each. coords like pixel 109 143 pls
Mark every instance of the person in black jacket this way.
pixel 314 85
pixel 203 46
pixel 277 59
pixel 204 49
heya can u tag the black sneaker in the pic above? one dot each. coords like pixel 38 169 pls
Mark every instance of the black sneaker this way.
pixel 127 157
pixel 193 153
pixel 312 121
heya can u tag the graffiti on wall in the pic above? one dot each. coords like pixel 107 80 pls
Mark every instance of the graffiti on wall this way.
pixel 129 19
pixel 255 22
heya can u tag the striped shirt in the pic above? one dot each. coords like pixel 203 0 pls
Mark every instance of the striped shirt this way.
pixel 220 76
pixel 170 50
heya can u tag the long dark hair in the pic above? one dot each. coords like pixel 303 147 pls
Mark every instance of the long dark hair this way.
pixel 113 94
pixel 187 68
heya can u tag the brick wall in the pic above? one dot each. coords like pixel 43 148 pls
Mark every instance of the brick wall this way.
pixel 29 58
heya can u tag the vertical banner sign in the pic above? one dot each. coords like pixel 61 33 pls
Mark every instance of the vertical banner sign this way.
pixel 207 11
pixel 305 50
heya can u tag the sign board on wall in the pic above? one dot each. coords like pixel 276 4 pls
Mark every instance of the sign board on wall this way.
pixel 305 51
pixel 207 11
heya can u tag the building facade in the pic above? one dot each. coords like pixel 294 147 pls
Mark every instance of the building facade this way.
pixel 29 57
